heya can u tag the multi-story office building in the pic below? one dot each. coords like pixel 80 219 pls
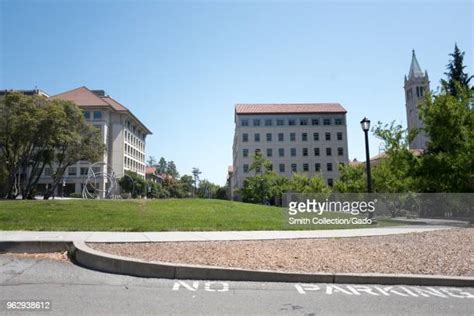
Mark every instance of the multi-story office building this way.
pixel 296 138
pixel 122 132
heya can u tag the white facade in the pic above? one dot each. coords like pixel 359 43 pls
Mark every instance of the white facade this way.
pixel 416 86
pixel 310 143
pixel 123 134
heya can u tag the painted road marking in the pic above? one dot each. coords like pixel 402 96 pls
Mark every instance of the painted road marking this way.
pixel 209 286
pixel 379 290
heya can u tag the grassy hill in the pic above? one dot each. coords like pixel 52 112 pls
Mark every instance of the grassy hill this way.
pixel 147 215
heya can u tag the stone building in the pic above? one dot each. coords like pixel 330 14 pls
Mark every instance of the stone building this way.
pixel 416 86
pixel 296 138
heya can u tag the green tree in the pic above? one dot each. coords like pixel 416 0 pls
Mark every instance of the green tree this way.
pixel 221 193
pixel 185 186
pixel 260 187
pixel 172 170
pixel 74 140
pixel 394 172
pixel 151 162
pixel 455 74
pixel 162 166
pixel 207 189
pixel 448 164
pixel 352 179
pixel 134 184
pixel 196 172
pixel 22 140
pixel 300 183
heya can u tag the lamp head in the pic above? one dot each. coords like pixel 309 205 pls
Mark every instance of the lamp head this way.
pixel 365 124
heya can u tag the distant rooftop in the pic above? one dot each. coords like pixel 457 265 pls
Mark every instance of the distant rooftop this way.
pixel 25 92
pixel 289 108
pixel 84 97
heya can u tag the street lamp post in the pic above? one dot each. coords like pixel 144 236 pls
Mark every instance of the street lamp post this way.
pixel 365 124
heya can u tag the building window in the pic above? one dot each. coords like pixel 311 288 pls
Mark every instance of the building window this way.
pixel 293 167
pixel 280 122
pixel 316 151
pixel 269 137
pixel 303 122
pixel 292 137
pixel 72 171
pixel 293 152
pixel 328 151
pixel 339 136
pixel 305 152
pixel 340 151
pixel 97 115
pixel 257 137
pixel 315 121
pixel 281 137
pixel 330 182
pixel 256 122
pixel 329 166
pixel 281 152
pixel 328 136
pixel 268 122
pixel 87 115
pixel 315 136
pixel 244 123
pixel 327 121
pixel 48 172
pixel 84 171
pixel 269 152
pixel 281 167
pixel 317 167
pixel 245 152
pixel 246 168
pixel 304 137
pixel 305 167
pixel 291 122
pixel 338 121
pixel 257 151
pixel 245 137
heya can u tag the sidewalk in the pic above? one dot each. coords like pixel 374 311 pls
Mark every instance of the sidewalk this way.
pixel 24 236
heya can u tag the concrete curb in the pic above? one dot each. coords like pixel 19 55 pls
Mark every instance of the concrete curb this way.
pixel 97 260
pixel 34 246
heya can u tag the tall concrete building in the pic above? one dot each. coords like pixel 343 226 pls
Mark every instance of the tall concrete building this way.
pixel 296 138
pixel 123 134
pixel 417 84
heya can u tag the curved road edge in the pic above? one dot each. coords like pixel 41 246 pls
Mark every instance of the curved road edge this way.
pixel 101 261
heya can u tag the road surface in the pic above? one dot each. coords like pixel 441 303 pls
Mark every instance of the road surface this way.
pixel 62 288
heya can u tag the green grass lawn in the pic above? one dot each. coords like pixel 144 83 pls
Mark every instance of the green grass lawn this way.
pixel 148 215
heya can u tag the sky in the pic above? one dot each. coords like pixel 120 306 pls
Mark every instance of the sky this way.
pixel 181 66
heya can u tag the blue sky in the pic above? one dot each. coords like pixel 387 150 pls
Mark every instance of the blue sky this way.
pixel 181 66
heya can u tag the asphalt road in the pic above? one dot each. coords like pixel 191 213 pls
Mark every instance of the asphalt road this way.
pixel 71 290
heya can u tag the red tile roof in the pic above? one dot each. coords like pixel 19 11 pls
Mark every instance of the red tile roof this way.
pixel 150 170
pixel 84 97
pixel 289 108
pixel 81 96
pixel 114 104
